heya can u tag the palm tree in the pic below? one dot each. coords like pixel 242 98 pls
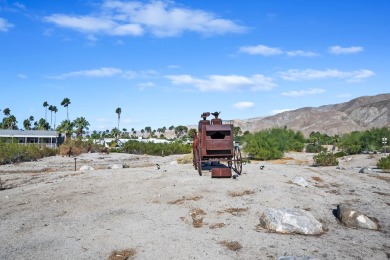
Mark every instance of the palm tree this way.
pixel 6 111
pixel 66 103
pixel 66 127
pixel 45 105
pixel 55 110
pixel 115 133
pixel 80 123
pixel 27 124
pixel 118 111
pixel 31 118
pixel 10 122
pixel 51 115
pixel 42 124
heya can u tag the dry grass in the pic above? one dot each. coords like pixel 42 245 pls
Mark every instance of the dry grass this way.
pixel 234 211
pixel 126 254
pixel 231 245
pixel 318 179
pixel 184 198
pixel 217 225
pixel 197 217
pixel 239 194
pixel 186 159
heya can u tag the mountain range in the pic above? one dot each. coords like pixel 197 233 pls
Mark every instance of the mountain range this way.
pixel 358 114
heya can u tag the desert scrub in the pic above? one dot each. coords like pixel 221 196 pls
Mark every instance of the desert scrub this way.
pixel 78 147
pixel 384 163
pixel 186 159
pixel 311 148
pixel 325 159
pixel 14 152
pixel 149 148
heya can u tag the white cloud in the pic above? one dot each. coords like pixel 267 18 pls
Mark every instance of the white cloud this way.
pixel 309 74
pixel 160 18
pixel 345 50
pixel 244 105
pixel 224 82
pixel 90 24
pixel 5 25
pixel 300 93
pixel 261 50
pixel 301 53
pixel 22 76
pixel 98 73
pixel 271 51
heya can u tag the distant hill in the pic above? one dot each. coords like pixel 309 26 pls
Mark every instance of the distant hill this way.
pixel 359 114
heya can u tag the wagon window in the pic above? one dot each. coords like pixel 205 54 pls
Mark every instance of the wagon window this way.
pixel 217 134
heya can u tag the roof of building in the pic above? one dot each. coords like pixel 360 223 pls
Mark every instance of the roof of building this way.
pixel 28 133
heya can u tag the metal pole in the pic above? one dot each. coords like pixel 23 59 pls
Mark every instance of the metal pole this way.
pixel 75 164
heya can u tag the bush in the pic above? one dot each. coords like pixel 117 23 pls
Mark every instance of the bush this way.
pixel 325 159
pixel 384 163
pixel 13 152
pixel 78 147
pixel 311 148
pixel 271 144
pixel 150 148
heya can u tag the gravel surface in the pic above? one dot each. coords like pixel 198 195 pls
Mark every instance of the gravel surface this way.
pixel 50 211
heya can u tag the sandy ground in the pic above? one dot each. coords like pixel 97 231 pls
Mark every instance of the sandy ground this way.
pixel 50 211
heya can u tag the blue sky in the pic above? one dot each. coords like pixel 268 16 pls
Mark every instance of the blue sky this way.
pixel 165 62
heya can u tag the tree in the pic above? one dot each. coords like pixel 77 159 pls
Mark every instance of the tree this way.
pixel 42 125
pixel 31 118
pixel 51 114
pixel 80 123
pixel 27 124
pixel 6 111
pixel 10 122
pixel 192 132
pixel 180 130
pixel 115 132
pixel 55 110
pixel 148 130
pixel 118 111
pixel 45 105
pixel 66 127
pixel 66 103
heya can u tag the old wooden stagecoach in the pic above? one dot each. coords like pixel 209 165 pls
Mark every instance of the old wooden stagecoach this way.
pixel 214 145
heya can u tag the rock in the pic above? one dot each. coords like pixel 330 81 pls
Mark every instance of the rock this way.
pixel 290 220
pixel 353 218
pixel 173 163
pixel 341 168
pixel 366 170
pixel 299 181
pixel 117 166
pixel 85 168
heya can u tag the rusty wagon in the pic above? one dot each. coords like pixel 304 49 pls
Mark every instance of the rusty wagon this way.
pixel 214 149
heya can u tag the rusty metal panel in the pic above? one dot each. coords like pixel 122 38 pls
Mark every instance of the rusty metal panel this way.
pixel 221 173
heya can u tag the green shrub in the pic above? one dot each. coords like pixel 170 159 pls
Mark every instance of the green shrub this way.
pixel 272 143
pixel 150 148
pixel 325 159
pixel 340 154
pixel 14 152
pixel 384 163
pixel 311 148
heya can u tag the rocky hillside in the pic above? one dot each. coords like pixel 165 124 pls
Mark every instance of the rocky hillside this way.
pixel 356 115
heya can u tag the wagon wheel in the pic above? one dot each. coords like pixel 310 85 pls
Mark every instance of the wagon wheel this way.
pixel 237 160
pixel 199 161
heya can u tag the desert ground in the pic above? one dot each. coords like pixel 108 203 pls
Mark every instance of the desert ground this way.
pixel 50 211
